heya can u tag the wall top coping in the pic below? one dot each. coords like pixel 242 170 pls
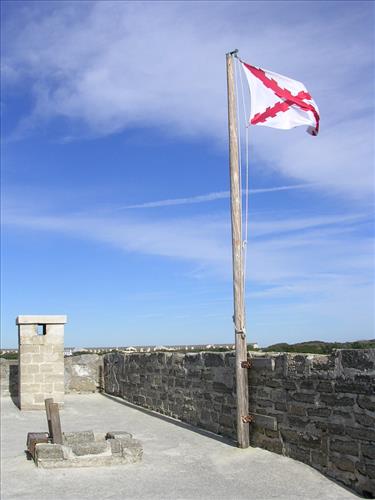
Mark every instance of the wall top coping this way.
pixel 41 320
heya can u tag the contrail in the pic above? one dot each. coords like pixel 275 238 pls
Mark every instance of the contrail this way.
pixel 209 197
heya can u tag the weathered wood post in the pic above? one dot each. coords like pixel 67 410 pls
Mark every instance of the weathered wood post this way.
pixel 238 284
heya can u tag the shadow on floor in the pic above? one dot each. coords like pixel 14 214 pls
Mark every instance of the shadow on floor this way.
pixel 173 421
pixel 13 384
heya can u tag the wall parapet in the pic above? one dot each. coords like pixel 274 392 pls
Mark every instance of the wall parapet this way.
pixel 82 374
pixel 319 409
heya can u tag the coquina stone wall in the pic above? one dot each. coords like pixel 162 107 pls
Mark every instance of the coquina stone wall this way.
pixel 83 373
pixel 316 409
pixel 9 377
pixel 197 388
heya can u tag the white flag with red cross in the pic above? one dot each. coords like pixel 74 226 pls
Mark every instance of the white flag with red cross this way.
pixel 280 102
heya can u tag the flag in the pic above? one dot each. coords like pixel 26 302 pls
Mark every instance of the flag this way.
pixel 280 102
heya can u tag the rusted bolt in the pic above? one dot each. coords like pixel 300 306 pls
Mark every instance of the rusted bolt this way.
pixel 245 364
pixel 247 419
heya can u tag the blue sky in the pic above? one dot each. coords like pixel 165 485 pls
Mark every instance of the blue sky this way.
pixel 110 110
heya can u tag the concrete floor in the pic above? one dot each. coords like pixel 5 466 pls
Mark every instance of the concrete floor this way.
pixel 178 462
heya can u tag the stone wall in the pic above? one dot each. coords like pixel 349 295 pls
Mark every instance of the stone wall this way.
pixel 9 377
pixel 324 408
pixel 316 409
pixel 197 388
pixel 82 374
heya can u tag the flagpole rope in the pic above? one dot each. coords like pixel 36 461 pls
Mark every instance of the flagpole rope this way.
pixel 243 327
pixel 245 213
pixel 245 117
pixel 239 131
pixel 237 70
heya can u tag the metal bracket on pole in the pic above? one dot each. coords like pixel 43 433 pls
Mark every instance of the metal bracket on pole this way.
pixel 233 53
pixel 246 364
pixel 247 419
pixel 241 332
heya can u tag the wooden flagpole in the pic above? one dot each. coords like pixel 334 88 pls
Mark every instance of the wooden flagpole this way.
pixel 237 255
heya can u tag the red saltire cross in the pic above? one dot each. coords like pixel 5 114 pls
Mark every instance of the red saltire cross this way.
pixel 288 99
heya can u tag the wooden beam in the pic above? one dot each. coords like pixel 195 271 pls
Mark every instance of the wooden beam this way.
pixel 53 418
pixel 47 402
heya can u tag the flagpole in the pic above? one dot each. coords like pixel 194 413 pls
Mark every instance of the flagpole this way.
pixel 242 392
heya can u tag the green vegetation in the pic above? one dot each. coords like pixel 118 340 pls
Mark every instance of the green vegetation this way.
pixel 319 347
pixel 9 355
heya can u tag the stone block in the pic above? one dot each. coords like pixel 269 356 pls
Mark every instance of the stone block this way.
pixel 39 398
pixel 118 435
pixel 27 331
pixel 318 459
pixel 295 409
pixel 307 385
pixel 345 447
pixel 53 378
pixel 358 433
pixel 264 403
pixel 365 420
pixel 297 365
pixel 279 396
pixel 46 451
pixel 40 319
pixel 70 438
pixel 31 388
pixel 132 451
pixel 29 369
pixel 303 397
pixel 325 386
pixel 319 412
pixel 368 450
pixel 222 388
pixel 27 357
pixel 262 364
pixel 36 358
pixel 57 396
pixel 358 359
pixel 297 422
pixel 57 387
pixel 366 402
pixel 289 385
pixel 354 387
pixel 309 441
pixel 343 463
pixel 299 453
pixel 47 368
pixel 341 415
pixel 290 435
pixel 29 349
pixel 367 470
pixel 116 446
pixel 272 382
pixel 281 407
pixel 265 422
pixel 334 401
pixel 55 356
pixel 90 448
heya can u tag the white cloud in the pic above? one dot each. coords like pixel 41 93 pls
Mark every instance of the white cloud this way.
pixel 278 251
pixel 302 271
pixel 110 66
